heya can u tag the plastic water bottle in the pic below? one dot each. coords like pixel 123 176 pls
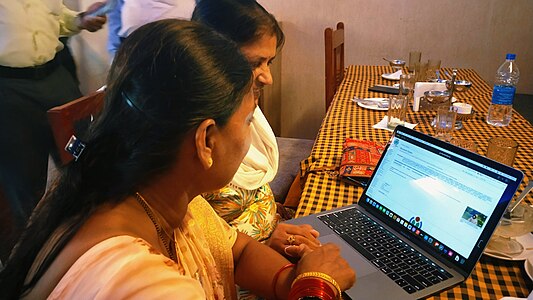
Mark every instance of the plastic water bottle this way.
pixel 501 107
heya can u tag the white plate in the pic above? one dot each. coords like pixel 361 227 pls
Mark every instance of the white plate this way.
pixel 390 76
pixel 372 107
pixel 528 265
pixel 526 240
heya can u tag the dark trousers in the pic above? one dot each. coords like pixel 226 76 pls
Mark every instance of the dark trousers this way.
pixel 26 142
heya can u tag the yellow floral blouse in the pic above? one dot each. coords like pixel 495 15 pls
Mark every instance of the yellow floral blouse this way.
pixel 252 212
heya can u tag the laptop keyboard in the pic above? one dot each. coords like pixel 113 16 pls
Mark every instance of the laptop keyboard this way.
pixel 402 263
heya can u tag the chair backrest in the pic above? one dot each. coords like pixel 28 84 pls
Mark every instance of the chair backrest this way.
pixel 70 118
pixel 334 49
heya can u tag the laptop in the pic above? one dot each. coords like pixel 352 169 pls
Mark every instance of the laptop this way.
pixel 423 221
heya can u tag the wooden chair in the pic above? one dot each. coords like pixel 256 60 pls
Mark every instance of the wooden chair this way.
pixel 334 49
pixel 71 118
pixel 65 120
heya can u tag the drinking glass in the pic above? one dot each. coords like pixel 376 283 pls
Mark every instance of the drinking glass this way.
pixel 407 83
pixel 433 66
pixel 414 57
pixel 465 144
pixel 445 122
pixel 397 111
pixel 502 150
pixel 420 71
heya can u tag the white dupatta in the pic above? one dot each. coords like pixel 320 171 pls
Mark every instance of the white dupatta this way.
pixel 260 164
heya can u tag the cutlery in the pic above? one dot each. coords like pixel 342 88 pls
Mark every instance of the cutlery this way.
pixel 512 206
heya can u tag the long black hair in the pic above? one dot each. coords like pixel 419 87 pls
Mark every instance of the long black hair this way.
pixel 243 21
pixel 167 77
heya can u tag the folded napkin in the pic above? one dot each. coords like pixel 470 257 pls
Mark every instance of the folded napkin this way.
pixel 383 124
pixel 394 76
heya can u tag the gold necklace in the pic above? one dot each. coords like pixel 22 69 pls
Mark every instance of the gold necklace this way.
pixel 160 229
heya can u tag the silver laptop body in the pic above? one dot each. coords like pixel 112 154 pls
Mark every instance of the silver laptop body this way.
pixel 433 202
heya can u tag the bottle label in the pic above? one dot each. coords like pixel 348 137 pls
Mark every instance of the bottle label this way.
pixel 503 94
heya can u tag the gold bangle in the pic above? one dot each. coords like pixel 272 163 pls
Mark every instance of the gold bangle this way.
pixel 322 276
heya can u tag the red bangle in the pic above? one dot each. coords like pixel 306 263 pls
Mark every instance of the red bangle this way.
pixel 276 276
pixel 311 287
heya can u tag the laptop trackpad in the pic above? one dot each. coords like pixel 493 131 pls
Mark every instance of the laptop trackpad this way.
pixel 356 260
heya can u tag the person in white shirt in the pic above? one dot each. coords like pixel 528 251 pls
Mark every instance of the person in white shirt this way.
pixel 32 80
pixel 128 15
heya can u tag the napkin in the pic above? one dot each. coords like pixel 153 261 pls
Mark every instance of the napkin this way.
pixel 422 87
pixel 394 76
pixel 383 124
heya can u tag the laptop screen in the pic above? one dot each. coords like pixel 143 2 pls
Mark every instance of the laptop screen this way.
pixel 442 196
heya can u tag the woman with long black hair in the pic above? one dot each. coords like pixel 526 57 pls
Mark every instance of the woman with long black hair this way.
pixel 125 221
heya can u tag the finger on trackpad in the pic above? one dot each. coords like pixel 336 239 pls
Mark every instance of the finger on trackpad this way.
pixel 356 260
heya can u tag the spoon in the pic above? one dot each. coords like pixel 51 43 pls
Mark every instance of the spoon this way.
pixel 387 60
pixel 521 197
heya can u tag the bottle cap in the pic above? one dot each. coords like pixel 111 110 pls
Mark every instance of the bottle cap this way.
pixel 510 56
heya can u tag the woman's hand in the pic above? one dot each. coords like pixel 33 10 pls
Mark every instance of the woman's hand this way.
pixel 287 238
pixel 91 23
pixel 327 259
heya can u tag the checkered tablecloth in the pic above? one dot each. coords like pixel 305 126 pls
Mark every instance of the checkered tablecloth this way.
pixel 492 278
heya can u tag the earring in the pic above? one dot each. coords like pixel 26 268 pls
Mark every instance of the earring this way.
pixel 210 162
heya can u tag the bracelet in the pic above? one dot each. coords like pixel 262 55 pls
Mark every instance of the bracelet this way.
pixel 322 276
pixel 311 288
pixel 276 276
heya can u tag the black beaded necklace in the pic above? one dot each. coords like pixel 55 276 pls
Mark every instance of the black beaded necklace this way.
pixel 160 229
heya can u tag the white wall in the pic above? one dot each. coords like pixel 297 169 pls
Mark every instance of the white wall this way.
pixel 465 34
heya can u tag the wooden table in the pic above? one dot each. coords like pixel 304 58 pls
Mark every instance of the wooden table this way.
pixel 492 278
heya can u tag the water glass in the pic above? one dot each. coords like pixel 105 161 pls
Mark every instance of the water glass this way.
pixel 445 122
pixel 407 83
pixel 397 111
pixel 433 66
pixel 414 57
pixel 465 144
pixel 502 150
pixel 420 71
